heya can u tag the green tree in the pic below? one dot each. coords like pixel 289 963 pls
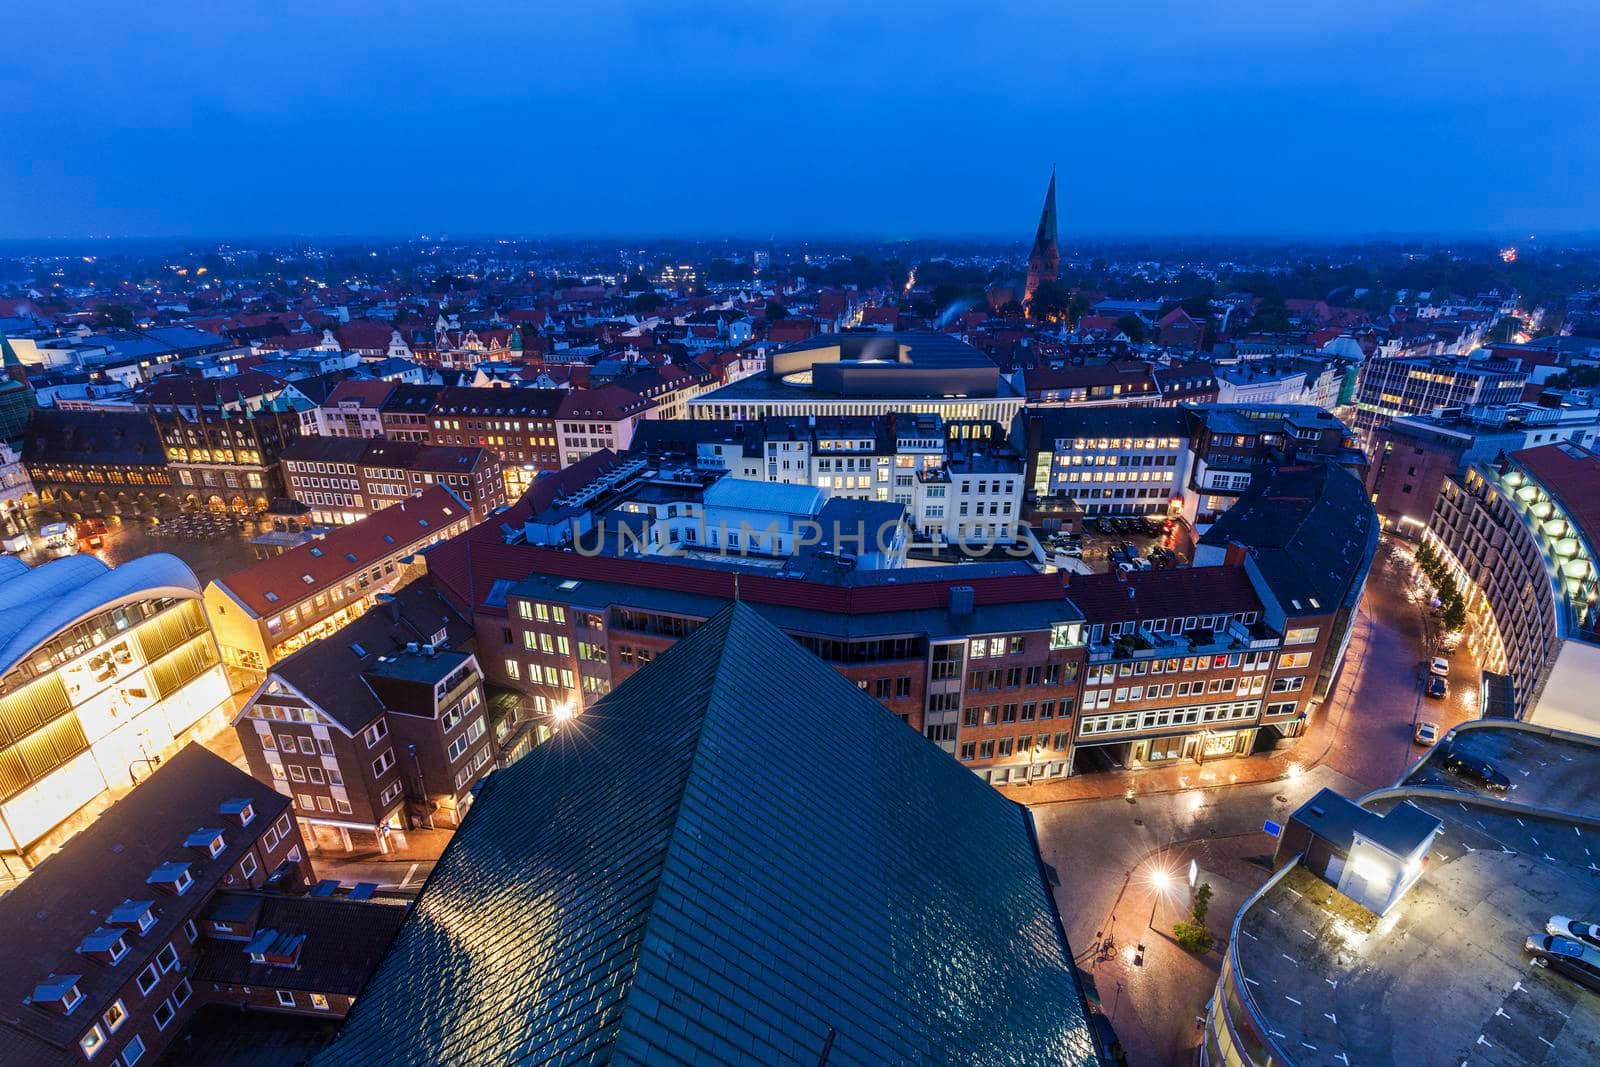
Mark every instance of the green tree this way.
pixel 1191 933
pixel 1050 303
pixel 776 311
pixel 1133 326
pixel 645 303
pixel 1454 616
pixel 116 316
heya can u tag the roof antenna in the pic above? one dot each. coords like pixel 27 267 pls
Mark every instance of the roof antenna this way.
pixel 735 587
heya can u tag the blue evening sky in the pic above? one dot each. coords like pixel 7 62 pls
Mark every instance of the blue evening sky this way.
pixel 1311 117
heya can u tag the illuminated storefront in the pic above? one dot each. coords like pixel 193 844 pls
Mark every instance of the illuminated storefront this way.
pixel 105 670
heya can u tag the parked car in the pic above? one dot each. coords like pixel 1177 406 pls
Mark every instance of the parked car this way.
pixel 1440 666
pixel 1478 770
pixel 1438 688
pixel 1427 734
pixel 1566 957
pixel 1561 926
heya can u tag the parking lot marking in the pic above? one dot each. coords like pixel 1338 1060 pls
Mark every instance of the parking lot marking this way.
pixel 1534 839
pixel 1272 909
pixel 1484 1041
pixel 1329 1016
pixel 1252 981
pixel 1290 958
pixel 1516 987
pixel 1290 999
pixel 1332 981
pixel 1548 1042
pixel 1308 1045
pixel 1275 1033
pixel 1501 1013
pixel 1342 1058
pixel 1468 847
pixel 1251 936
pixel 1308 933
pixel 1519 821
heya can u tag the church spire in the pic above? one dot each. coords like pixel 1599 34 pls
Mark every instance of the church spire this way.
pixel 1044 259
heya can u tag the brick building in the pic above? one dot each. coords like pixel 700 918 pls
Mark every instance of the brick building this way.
pixel 103 940
pixel 222 437
pixel 517 425
pixel 343 480
pixel 376 731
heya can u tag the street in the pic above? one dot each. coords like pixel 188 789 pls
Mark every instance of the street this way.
pixel 1124 858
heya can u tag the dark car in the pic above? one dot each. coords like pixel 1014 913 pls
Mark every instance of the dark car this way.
pixel 1437 688
pixel 1566 956
pixel 1477 770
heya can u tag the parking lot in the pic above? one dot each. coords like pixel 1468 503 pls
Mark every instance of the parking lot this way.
pixel 1544 771
pixel 1444 978
pixel 1101 541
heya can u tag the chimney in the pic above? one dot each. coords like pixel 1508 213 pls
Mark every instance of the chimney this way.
pixel 961 599
pixel 1235 554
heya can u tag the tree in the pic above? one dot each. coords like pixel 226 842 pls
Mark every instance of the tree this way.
pixel 1132 326
pixel 645 303
pixel 776 311
pixel 1050 303
pixel 1191 933
pixel 117 316
pixel 1454 616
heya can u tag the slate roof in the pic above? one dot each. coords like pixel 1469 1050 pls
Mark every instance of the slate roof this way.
pixel 344 940
pixel 1163 594
pixel 329 672
pixel 69 894
pixel 643 890
pixel 1337 819
pixel 1311 531
pixel 92 437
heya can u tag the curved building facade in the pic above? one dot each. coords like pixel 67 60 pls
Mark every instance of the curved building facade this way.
pixel 1521 535
pixel 102 672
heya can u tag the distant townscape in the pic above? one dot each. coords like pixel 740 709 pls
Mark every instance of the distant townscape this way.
pixel 462 651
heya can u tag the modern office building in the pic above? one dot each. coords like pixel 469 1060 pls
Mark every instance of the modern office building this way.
pixel 869 373
pixel 1413 455
pixel 1391 388
pixel 1521 532
pixel 902 914
pixel 105 672
pixel 1094 461
pixel 961 481
pixel 282 603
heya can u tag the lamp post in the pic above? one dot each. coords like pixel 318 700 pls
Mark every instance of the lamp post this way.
pixel 1161 882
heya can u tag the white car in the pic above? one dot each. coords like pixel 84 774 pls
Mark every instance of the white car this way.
pixel 1587 933
pixel 1440 666
pixel 1427 733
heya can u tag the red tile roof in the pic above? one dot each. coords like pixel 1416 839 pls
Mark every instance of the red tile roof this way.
pixel 344 552
pixel 369 394
pixel 609 402
pixel 1571 475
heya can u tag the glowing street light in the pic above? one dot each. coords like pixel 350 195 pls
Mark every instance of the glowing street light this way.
pixel 1161 881
pixel 563 713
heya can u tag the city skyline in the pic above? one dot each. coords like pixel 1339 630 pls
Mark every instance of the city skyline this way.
pixel 727 122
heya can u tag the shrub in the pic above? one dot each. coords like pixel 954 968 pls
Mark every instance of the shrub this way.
pixel 1192 936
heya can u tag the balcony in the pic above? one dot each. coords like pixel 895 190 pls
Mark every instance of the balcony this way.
pixel 1151 644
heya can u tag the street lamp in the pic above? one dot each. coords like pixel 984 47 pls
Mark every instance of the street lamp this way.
pixel 564 712
pixel 1161 881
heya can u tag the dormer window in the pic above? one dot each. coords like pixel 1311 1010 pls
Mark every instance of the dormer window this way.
pixel 92 1042
pixel 240 808
pixel 207 840
pixel 107 944
pixel 139 913
pixel 59 992
pixel 174 876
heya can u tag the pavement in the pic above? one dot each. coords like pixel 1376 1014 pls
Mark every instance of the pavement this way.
pixel 1106 833
pixel 1546 772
